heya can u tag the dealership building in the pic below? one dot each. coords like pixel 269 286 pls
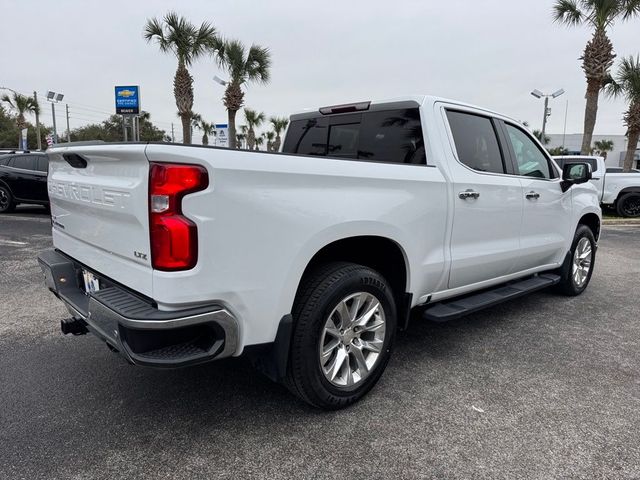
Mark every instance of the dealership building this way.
pixel 573 142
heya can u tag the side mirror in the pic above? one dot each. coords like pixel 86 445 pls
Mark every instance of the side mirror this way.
pixel 575 173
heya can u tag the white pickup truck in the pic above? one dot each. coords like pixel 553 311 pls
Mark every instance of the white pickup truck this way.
pixel 309 260
pixel 617 190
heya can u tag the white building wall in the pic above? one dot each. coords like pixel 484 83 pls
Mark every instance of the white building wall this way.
pixel 573 142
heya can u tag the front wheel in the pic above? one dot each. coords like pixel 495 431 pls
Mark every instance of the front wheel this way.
pixel 6 200
pixel 628 205
pixel 577 273
pixel 345 322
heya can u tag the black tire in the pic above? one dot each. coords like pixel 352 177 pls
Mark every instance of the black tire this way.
pixel 320 293
pixel 7 204
pixel 568 284
pixel 628 205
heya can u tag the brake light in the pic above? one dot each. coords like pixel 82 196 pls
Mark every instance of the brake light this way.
pixel 174 238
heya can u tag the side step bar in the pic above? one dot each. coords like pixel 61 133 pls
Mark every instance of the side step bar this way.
pixel 458 307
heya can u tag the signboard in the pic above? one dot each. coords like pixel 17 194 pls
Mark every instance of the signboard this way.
pixel 127 100
pixel 222 135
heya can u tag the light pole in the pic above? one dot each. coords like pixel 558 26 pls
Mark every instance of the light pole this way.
pixel 54 98
pixel 547 111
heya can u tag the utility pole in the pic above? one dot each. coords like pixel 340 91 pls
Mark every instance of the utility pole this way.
pixel 53 114
pixel 68 131
pixel 544 118
pixel 35 97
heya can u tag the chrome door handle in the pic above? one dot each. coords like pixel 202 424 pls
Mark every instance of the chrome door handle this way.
pixel 532 195
pixel 467 194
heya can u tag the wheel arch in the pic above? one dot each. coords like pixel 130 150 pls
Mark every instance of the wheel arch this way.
pixel 379 253
pixel 592 221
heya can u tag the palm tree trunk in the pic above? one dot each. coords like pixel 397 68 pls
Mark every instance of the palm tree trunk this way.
pixel 631 150
pixel 183 92
pixel 276 143
pixel 205 139
pixel 232 128
pixel 251 139
pixel 590 114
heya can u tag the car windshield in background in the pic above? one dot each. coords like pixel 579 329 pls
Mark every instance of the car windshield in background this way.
pixel 378 136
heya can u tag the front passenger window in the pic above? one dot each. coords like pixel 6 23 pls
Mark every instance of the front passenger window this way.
pixel 530 161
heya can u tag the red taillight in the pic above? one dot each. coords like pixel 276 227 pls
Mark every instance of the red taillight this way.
pixel 174 238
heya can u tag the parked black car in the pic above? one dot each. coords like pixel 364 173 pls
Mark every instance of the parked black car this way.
pixel 23 179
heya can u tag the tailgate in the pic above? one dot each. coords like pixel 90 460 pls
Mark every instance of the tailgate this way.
pixel 99 210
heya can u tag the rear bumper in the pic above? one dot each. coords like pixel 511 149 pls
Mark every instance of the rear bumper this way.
pixel 133 325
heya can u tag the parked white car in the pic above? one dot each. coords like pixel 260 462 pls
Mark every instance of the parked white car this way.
pixel 310 260
pixel 617 190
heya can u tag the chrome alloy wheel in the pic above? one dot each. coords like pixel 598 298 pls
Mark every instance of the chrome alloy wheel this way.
pixel 352 339
pixel 582 258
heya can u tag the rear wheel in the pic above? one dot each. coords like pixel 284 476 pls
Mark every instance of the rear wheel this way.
pixel 7 203
pixel 345 322
pixel 577 273
pixel 628 205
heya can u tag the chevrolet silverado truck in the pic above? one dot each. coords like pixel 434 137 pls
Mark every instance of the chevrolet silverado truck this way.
pixel 309 260
pixel 617 190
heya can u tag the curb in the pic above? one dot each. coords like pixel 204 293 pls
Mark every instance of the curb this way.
pixel 621 222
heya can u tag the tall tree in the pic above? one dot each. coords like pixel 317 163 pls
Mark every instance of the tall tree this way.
pixel 538 135
pixel 269 136
pixel 598 54
pixel 254 120
pixel 243 66
pixel 626 83
pixel 207 129
pixel 602 147
pixel 258 141
pixel 21 106
pixel 279 124
pixel 187 42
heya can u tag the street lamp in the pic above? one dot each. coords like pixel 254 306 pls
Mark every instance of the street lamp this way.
pixel 54 98
pixel 547 111
pixel 217 79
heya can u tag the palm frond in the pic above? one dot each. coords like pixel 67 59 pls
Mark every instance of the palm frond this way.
pixel 258 64
pixel 567 12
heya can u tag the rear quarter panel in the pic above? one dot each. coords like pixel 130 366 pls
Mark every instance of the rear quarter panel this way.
pixel 264 216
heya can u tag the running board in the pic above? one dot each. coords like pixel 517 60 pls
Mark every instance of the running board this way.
pixel 459 307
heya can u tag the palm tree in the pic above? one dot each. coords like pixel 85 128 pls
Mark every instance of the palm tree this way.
pixel 279 124
pixel 269 136
pixel 187 42
pixel 602 147
pixel 243 67
pixel 258 141
pixel 208 130
pixel 626 83
pixel 538 135
pixel 21 105
pixel 598 54
pixel 254 120
pixel 242 136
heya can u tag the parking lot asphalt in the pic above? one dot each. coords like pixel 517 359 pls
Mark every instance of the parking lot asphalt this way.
pixel 541 387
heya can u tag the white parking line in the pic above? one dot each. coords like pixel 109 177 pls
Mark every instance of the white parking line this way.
pixel 11 242
pixel 31 219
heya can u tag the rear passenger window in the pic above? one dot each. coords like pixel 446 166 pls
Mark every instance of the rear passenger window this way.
pixel 378 136
pixel 476 142
pixel 25 162
pixel 43 163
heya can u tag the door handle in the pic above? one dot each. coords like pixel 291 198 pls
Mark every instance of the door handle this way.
pixel 532 195
pixel 467 194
